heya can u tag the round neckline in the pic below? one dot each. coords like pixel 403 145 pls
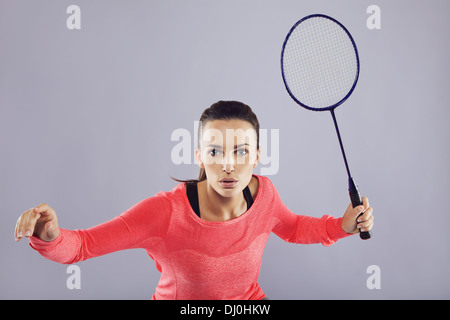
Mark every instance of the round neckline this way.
pixel 243 216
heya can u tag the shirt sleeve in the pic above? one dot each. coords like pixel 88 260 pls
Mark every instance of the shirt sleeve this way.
pixel 303 229
pixel 142 226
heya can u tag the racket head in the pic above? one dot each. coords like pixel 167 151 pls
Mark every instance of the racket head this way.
pixel 319 63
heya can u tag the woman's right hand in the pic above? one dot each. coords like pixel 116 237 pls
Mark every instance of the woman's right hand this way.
pixel 40 221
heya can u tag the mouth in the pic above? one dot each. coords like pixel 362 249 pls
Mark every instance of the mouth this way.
pixel 228 182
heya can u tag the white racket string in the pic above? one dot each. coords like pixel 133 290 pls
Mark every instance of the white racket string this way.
pixel 320 63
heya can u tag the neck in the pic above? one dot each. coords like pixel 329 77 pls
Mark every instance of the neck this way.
pixel 218 208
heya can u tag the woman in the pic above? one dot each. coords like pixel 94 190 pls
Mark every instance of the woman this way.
pixel 206 236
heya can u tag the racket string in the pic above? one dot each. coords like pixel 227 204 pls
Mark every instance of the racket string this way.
pixel 319 63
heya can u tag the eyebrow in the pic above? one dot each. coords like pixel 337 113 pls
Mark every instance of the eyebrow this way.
pixel 220 147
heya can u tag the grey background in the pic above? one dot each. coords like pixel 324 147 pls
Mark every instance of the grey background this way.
pixel 86 118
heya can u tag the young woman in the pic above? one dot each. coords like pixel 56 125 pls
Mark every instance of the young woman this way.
pixel 206 236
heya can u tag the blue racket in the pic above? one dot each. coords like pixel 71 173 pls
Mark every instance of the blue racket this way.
pixel 320 69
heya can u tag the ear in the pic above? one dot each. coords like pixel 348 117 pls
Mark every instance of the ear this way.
pixel 198 157
pixel 258 156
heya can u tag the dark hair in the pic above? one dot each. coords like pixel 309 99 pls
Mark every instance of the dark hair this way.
pixel 225 110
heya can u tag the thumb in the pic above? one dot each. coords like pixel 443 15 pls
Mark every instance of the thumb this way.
pixel 358 210
pixel 353 213
pixel 44 209
pixel 51 231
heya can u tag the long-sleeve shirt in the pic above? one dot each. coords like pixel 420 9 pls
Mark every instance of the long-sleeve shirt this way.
pixel 198 259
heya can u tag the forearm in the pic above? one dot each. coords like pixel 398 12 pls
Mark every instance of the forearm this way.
pixel 307 230
pixel 63 249
pixel 72 246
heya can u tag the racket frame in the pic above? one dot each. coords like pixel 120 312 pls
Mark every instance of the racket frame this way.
pixel 356 55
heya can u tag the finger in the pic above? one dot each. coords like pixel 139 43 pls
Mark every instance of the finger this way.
pixel 365 215
pixel 20 225
pixel 27 223
pixel 362 208
pixel 16 229
pixel 366 223
pixel 367 227
pixel 358 211
pixel 31 223
pixel 43 209
pixel 365 204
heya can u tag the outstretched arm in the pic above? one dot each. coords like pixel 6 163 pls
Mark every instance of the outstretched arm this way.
pixel 141 226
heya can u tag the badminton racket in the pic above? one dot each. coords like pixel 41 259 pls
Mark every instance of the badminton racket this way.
pixel 320 69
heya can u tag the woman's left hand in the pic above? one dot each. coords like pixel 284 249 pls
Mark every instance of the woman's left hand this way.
pixel 351 223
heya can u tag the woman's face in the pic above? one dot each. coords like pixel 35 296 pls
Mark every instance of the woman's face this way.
pixel 228 153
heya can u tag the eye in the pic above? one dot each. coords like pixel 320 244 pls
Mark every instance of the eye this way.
pixel 215 152
pixel 242 152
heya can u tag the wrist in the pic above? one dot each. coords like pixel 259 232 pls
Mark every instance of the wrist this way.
pixel 335 229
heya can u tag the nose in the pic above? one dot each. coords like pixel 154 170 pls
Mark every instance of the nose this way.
pixel 228 169
pixel 228 165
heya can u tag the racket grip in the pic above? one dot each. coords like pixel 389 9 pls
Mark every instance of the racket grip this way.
pixel 355 197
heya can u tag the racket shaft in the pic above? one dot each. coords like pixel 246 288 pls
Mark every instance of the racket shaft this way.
pixel 356 199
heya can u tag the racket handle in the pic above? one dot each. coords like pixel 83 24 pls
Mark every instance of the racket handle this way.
pixel 355 197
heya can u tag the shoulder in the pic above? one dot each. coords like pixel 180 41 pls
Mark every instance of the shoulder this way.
pixel 261 181
pixel 161 202
pixel 263 185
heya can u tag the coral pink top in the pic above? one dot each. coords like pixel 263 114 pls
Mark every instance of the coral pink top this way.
pixel 197 259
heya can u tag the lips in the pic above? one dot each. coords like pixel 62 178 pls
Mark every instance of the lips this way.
pixel 228 182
